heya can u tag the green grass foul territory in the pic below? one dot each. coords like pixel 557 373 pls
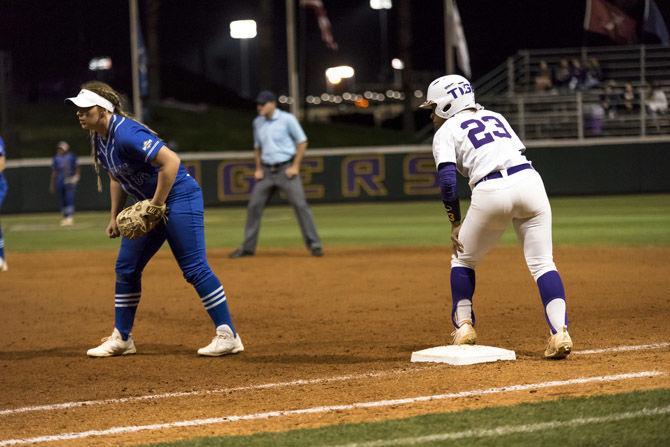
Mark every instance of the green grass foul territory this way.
pixel 639 418
pixel 608 220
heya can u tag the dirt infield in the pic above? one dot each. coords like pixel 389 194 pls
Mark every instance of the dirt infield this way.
pixel 351 318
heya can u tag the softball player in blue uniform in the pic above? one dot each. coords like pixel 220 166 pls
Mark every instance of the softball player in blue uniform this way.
pixel 139 164
pixel 64 179
pixel 3 193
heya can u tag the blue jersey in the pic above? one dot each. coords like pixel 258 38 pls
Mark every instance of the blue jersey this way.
pixel 127 153
pixel 64 165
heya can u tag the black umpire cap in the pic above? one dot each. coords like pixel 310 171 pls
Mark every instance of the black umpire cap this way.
pixel 265 96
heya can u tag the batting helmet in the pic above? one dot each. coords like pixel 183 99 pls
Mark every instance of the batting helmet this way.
pixel 450 94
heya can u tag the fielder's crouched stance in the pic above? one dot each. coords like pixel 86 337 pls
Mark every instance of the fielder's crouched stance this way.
pixel 483 147
pixel 139 163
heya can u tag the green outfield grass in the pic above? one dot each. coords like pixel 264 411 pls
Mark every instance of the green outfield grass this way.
pixel 639 418
pixel 610 220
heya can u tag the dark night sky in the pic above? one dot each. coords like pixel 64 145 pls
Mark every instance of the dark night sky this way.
pixel 52 41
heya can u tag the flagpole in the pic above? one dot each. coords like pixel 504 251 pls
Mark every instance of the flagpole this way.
pixel 448 35
pixel 292 64
pixel 134 58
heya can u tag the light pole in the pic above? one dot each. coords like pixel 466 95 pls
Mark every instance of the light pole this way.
pixel 398 65
pixel 244 30
pixel 383 6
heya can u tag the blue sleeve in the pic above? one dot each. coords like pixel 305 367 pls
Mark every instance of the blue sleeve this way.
pixel 295 130
pixel 139 143
pixel 73 161
pixel 2 147
pixel 446 178
pixel 53 163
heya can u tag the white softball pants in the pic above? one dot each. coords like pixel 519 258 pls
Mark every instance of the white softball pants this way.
pixel 520 198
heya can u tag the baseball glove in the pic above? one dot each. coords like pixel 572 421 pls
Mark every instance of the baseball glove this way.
pixel 138 219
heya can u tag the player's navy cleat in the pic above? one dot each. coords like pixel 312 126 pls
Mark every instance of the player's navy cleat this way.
pixel 464 335
pixel 223 343
pixel 113 345
pixel 316 251
pixel 3 265
pixel 559 345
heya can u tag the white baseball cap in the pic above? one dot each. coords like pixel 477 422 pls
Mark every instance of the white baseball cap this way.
pixel 87 98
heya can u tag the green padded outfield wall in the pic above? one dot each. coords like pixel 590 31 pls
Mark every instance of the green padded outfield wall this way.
pixel 372 174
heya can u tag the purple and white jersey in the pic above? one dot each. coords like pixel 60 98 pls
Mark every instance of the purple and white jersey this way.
pixel 127 153
pixel 478 142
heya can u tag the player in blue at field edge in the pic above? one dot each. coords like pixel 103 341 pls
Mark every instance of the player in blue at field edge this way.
pixel 64 179
pixel 139 164
pixel 3 193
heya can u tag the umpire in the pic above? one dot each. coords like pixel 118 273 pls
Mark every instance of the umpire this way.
pixel 279 146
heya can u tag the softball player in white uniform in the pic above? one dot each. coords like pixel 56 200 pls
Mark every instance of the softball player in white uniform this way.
pixel 482 146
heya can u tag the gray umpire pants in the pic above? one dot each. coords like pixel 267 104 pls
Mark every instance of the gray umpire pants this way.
pixel 274 179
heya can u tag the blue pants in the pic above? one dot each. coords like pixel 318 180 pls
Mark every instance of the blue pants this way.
pixel 3 193
pixel 185 232
pixel 65 192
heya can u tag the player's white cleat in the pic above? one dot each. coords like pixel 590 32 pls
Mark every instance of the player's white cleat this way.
pixel 67 222
pixel 559 345
pixel 464 335
pixel 113 345
pixel 3 265
pixel 223 343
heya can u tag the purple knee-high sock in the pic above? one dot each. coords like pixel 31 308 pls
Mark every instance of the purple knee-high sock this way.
pixel 462 288
pixel 551 288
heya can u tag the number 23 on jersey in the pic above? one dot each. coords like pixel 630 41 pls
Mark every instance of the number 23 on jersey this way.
pixel 478 134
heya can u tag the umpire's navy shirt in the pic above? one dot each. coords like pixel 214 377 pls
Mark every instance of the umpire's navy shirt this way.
pixel 277 136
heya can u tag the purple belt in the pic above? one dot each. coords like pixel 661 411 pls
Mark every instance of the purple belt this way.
pixel 510 171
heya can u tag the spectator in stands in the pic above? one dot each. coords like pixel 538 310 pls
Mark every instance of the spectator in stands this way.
pixel 628 98
pixel 610 100
pixel 563 74
pixel 657 101
pixel 594 74
pixel 544 79
pixel 577 75
pixel 595 117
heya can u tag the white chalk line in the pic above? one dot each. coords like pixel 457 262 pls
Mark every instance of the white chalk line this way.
pixel 622 349
pixel 328 409
pixel 300 382
pixel 263 386
pixel 503 430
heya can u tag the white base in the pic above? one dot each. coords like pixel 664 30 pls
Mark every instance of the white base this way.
pixel 463 354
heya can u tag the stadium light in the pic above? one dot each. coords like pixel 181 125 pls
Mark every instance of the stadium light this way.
pixel 100 63
pixel 381 4
pixel 397 64
pixel 336 74
pixel 243 29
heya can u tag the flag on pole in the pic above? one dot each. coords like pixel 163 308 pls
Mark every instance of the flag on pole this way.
pixel 142 62
pixel 322 20
pixel 654 23
pixel 460 44
pixel 605 18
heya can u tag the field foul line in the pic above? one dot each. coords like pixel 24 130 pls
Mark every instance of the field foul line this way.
pixel 622 349
pixel 263 386
pixel 513 429
pixel 300 382
pixel 328 409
